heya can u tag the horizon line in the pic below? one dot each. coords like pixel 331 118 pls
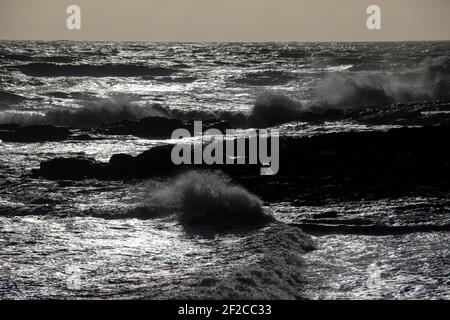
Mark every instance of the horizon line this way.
pixel 231 41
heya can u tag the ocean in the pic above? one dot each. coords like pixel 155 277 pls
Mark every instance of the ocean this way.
pixel 137 236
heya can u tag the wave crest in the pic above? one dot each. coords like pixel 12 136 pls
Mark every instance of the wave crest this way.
pixel 270 267
pixel 92 115
pixel 364 89
pixel 206 199
pixel 273 108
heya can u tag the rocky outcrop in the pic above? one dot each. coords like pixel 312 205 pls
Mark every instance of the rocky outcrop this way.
pixel 37 133
pixel 72 168
pixel 157 127
pixel 362 165
pixel 150 127
pixel 410 114
pixel 350 165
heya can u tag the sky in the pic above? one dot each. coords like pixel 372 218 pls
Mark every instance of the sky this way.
pixel 226 20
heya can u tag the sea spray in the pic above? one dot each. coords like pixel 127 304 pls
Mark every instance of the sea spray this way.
pixel 209 199
pixel 91 115
pixel 337 90
pixel 348 90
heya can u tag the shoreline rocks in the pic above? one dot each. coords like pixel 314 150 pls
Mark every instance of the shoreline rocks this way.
pixel 35 133
pixel 157 127
pixel 343 165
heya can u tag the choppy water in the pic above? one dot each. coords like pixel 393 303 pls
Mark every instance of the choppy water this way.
pixel 62 239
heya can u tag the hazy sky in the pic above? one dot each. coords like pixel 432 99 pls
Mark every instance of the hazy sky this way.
pixel 226 20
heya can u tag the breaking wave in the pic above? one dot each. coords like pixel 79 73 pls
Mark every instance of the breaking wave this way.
pixel 273 108
pixel 92 115
pixel 343 90
pixel 270 108
pixel 364 89
pixel 206 199
pixel 270 267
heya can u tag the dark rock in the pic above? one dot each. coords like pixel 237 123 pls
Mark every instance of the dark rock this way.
pixel 150 127
pixel 340 166
pixel 122 164
pixel 410 114
pixel 9 127
pixel 155 161
pixel 359 165
pixel 221 125
pixel 37 133
pixel 121 160
pixel 159 127
pixel 70 168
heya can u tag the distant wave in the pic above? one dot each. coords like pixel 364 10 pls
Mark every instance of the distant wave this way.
pixel 266 78
pixel 270 108
pixel 92 115
pixel 342 91
pixel 354 90
pixel 17 57
pixel 86 70
pixel 364 89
